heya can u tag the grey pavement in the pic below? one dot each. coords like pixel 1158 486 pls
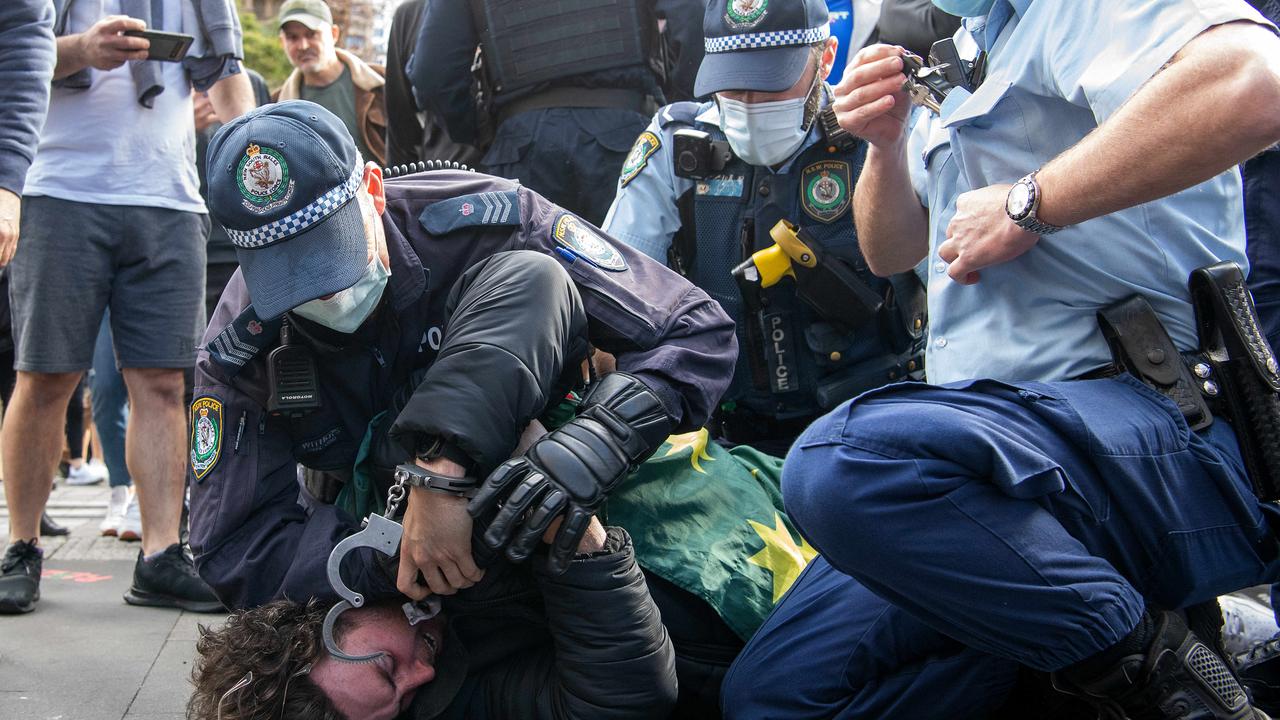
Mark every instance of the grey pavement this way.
pixel 84 654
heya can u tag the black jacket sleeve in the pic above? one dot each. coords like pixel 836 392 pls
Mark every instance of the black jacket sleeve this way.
pixel 441 67
pixel 612 658
pixel 662 329
pixel 915 25
pixel 404 126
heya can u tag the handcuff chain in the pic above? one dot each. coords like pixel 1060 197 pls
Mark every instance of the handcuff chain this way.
pixel 395 495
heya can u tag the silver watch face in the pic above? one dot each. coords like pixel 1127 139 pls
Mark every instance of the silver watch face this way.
pixel 1018 205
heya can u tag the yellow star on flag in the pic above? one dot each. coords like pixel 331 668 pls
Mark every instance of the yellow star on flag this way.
pixel 780 554
pixel 695 441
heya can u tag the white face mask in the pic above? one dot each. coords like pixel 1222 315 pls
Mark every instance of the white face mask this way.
pixel 348 309
pixel 763 133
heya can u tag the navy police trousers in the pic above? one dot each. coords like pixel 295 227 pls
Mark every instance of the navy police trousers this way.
pixel 971 528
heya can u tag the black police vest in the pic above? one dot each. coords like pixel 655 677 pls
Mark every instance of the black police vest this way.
pixel 530 42
pixel 791 362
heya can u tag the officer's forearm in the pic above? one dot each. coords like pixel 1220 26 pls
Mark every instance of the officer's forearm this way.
pixel 1212 107
pixel 893 230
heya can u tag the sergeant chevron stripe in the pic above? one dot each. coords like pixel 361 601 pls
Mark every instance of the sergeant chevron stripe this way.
pixel 492 208
pixel 497 208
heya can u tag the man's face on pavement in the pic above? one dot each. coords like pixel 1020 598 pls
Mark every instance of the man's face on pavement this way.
pixel 381 689
pixel 309 50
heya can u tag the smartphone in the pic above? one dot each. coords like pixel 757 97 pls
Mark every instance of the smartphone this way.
pixel 165 46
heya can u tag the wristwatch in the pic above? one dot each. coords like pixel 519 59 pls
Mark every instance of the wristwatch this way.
pixel 415 476
pixel 1023 203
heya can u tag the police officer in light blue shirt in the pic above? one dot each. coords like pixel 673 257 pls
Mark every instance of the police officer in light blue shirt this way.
pixel 707 186
pixel 1052 513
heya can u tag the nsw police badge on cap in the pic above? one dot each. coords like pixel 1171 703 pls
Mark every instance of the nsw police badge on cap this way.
pixel 745 14
pixel 263 179
pixel 824 190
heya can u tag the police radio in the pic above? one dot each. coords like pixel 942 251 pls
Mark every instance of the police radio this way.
pixel 698 157
pixel 293 387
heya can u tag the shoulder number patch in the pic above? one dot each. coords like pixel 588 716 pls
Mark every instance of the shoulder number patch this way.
pixel 824 189
pixel 646 145
pixel 206 435
pixel 587 243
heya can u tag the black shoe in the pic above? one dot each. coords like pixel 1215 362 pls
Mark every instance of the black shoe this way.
pixel 1259 671
pixel 20 577
pixel 1177 677
pixel 49 528
pixel 171 581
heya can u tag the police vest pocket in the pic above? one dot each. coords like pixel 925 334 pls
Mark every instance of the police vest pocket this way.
pixel 510 146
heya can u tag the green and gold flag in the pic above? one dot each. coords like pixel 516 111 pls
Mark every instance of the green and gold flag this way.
pixel 711 521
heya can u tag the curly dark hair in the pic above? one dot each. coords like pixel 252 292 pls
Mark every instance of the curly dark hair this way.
pixel 275 642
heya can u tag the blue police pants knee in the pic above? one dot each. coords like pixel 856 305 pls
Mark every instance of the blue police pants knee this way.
pixel 1030 521
pixel 832 649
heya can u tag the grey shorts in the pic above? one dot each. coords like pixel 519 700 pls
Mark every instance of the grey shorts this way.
pixel 74 259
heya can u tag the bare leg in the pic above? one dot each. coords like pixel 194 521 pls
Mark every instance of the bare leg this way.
pixel 32 443
pixel 155 451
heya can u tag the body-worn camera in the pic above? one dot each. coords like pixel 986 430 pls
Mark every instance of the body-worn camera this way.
pixel 698 157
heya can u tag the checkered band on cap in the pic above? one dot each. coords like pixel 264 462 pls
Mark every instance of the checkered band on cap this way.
pixel 776 38
pixel 296 222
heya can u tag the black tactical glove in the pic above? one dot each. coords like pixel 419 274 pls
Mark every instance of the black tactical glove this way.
pixel 571 471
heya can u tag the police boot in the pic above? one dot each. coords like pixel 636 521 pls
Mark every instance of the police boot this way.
pixel 1173 676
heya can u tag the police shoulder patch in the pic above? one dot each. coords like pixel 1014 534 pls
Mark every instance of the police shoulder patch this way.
pixel 496 209
pixel 241 341
pixel 584 241
pixel 206 435
pixel 646 145
pixel 824 189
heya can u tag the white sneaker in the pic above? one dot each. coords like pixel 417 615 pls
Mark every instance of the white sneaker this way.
pixel 1245 623
pixel 110 524
pixel 90 473
pixel 131 524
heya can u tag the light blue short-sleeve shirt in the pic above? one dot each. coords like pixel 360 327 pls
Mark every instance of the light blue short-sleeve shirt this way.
pixel 1057 69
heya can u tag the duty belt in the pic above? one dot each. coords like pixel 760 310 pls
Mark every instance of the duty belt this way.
pixel 578 97
pixel 1233 375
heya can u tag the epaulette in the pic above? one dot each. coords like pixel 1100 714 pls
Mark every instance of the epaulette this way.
pixel 682 113
pixel 417 167
pixel 242 340
pixel 494 209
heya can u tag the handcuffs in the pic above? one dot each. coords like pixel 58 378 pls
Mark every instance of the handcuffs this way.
pixel 383 534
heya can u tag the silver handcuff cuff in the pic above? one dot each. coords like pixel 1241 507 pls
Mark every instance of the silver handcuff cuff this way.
pixel 383 534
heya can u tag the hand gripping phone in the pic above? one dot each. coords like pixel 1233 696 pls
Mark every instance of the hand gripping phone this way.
pixel 165 46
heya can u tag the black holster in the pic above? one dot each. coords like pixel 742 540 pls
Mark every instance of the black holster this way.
pixel 1243 367
pixel 1234 374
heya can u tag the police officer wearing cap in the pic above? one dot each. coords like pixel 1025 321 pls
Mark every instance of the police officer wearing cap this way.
pixel 422 320
pixel 708 186
pixel 567 86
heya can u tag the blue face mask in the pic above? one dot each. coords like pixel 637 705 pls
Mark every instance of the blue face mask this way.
pixel 347 310
pixel 965 8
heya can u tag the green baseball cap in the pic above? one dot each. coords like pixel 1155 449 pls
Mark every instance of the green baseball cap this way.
pixel 312 13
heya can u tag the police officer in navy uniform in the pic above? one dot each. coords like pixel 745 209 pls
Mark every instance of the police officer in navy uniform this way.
pixel 424 320
pixel 569 90
pixel 706 185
